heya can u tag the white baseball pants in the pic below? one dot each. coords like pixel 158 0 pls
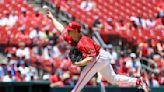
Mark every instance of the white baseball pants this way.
pixel 102 65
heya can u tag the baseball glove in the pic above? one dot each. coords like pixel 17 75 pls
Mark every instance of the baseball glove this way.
pixel 75 55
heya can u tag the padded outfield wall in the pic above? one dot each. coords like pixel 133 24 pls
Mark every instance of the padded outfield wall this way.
pixel 44 87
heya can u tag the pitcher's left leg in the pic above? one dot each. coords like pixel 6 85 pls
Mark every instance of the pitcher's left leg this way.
pixel 86 74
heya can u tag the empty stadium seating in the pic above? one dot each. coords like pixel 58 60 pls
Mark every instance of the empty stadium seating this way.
pixel 117 9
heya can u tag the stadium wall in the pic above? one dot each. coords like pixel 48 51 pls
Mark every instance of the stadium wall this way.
pixel 44 87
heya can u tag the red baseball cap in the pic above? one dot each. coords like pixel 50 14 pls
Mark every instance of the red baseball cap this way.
pixel 73 25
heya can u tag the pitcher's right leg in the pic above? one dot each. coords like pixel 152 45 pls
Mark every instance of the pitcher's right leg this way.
pixel 121 80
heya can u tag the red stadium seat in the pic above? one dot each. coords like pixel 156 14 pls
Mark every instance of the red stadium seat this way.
pixel 115 9
pixel 3 40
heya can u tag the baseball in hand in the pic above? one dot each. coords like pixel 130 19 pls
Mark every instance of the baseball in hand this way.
pixel 45 7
